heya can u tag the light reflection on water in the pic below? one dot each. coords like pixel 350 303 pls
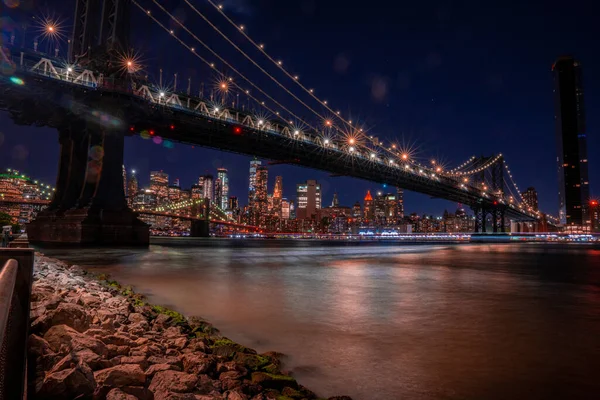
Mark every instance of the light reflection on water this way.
pixel 390 322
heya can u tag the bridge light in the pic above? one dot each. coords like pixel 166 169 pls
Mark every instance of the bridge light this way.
pixel 296 132
pixel 237 130
pixel 326 141
pixel 351 149
pixel 260 122
pixel 69 69
pixel 351 140
pixel 404 156
pixel 172 127
pixel 495 203
pixel 162 94
pixel 372 155
pixel 438 169
pixel 151 132
pixel 432 162
pixel 216 109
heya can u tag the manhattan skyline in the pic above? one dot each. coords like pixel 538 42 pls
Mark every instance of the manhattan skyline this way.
pixel 455 92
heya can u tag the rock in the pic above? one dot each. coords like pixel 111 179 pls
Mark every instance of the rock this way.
pixel 153 369
pixel 38 346
pixel 292 393
pixel 62 336
pixel 172 381
pixel 340 398
pixel 253 361
pixel 165 360
pixel 196 344
pixel 194 363
pixel 118 340
pixel 272 381
pixel 89 300
pixel 179 343
pixel 67 384
pixel 118 394
pixel 139 392
pixel 68 314
pixel 121 375
pixel 93 360
pixel 139 360
pixel 114 350
pixel 234 395
pixel 136 317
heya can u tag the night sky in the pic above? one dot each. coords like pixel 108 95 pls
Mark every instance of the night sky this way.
pixel 452 78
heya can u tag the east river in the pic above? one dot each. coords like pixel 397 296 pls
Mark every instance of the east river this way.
pixel 506 321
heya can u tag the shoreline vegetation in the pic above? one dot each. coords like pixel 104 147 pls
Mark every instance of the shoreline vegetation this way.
pixel 92 338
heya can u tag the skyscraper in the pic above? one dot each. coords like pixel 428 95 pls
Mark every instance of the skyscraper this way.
pixel 573 184
pixel 233 203
pixel 254 164
pixel 261 203
pixel 335 202
pixel 206 181
pixel 124 181
pixel 132 188
pixel 159 185
pixel 309 199
pixel 531 198
pixel 369 211
pixel 277 196
pixel 224 187
pixel 400 196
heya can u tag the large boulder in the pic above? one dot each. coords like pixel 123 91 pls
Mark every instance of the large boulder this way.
pixel 194 363
pixel 69 314
pixel 172 381
pixel 38 346
pixel 63 338
pixel 70 383
pixel 121 375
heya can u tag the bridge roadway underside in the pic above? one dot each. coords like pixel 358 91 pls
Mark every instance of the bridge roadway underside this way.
pixel 89 205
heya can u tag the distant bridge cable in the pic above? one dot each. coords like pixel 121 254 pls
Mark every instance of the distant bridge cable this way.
pixel 202 58
pixel 227 64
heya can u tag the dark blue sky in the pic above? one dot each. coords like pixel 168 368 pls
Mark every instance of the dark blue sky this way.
pixel 457 78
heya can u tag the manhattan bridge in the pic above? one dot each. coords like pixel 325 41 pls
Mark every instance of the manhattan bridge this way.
pixel 98 95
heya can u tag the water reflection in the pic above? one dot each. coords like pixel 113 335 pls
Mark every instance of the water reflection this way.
pixel 390 322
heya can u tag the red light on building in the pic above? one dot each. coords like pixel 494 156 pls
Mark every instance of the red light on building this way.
pixel 593 203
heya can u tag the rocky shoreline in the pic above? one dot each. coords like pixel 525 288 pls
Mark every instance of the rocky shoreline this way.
pixel 90 338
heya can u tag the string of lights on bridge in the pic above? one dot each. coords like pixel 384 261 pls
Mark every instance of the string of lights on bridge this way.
pixel 355 142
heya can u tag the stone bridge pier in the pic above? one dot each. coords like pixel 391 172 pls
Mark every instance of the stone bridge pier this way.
pixel 89 206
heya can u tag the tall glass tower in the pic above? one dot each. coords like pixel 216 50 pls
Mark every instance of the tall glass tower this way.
pixel 572 161
pixel 224 188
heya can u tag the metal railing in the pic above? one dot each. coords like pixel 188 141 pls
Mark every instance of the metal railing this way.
pixel 16 278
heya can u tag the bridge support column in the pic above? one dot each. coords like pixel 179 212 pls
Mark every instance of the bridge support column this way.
pixel 495 220
pixel 89 206
pixel 200 228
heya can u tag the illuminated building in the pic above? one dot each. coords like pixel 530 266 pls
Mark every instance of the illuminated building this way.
pixel 206 181
pixel 400 196
pixel 124 181
pixel 159 184
pixel 277 196
pixel 174 193
pixel 379 208
pixel 223 180
pixel 285 209
pixel 531 198
pixel 335 202
pixel 573 190
pixel 176 182
pixel 254 164
pixel 261 202
pixel 368 208
pixel 309 199
pixel 391 209
pixel 16 187
pixel 233 203
pixel 132 188
pixel 196 192
pixel 595 215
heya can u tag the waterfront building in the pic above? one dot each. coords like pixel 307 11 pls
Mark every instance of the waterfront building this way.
pixel 573 190
pixel 16 187
pixel 223 179
pixel 530 197
pixel 369 212
pixel 308 196
pixel 595 215
pixel 159 185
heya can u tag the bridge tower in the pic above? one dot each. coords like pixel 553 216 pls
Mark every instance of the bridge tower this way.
pixel 100 26
pixel 201 227
pixel 89 206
